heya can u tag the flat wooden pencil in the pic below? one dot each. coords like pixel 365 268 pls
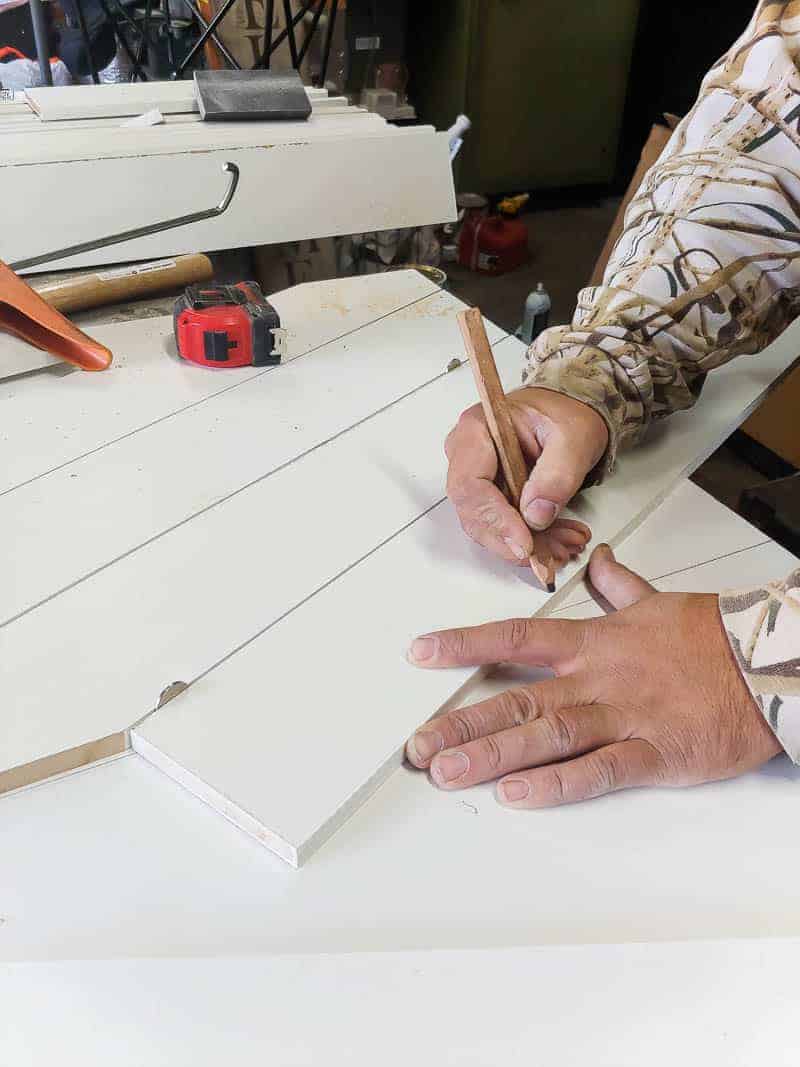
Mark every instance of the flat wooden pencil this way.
pixel 501 428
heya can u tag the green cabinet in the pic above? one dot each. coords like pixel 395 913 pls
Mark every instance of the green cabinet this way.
pixel 543 81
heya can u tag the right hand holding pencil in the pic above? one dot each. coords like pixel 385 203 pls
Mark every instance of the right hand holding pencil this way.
pixel 562 441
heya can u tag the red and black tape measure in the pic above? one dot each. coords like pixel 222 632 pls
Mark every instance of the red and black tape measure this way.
pixel 228 326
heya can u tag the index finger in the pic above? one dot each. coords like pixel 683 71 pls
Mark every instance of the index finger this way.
pixel 532 642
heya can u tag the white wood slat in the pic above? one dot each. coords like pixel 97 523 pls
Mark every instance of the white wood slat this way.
pixel 56 103
pixel 137 488
pixel 33 126
pixel 17 105
pixel 733 1003
pixel 45 423
pixel 708 531
pixel 91 101
pixel 268 767
pixel 71 143
pixel 18 357
pixel 28 121
pixel 320 188
pixel 189 598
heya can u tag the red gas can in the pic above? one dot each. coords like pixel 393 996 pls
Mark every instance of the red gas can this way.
pixel 493 244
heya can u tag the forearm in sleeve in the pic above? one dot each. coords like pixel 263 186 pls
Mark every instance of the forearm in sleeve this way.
pixel 763 626
pixel 708 264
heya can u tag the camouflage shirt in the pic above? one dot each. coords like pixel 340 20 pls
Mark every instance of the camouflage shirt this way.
pixel 707 268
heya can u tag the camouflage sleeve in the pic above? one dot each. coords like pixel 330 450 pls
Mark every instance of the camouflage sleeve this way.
pixel 708 264
pixel 763 627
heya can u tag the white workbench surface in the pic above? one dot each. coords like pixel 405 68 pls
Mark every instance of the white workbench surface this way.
pixel 117 863
pixel 433 926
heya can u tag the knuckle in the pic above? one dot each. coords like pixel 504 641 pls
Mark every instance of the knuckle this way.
pixel 516 706
pixel 462 727
pixel 559 788
pixel 586 635
pixel 515 633
pixel 489 517
pixel 559 735
pixel 605 773
pixel 491 752
pixel 455 643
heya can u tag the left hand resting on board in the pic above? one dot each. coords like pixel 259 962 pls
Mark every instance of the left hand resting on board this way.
pixel 649 695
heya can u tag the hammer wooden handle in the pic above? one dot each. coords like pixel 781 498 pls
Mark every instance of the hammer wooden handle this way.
pixel 501 428
pixel 119 284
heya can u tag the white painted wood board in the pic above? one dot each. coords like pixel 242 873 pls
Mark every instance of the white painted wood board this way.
pixel 64 144
pixel 144 484
pixel 46 423
pixel 731 1003
pixel 216 739
pixel 18 357
pixel 29 121
pixel 182 604
pixel 57 103
pixel 15 105
pixel 708 530
pixel 287 192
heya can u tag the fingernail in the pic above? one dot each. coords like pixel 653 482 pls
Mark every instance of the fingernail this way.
pixel 450 767
pixel 540 513
pixel 424 745
pixel 422 649
pixel 518 550
pixel 513 789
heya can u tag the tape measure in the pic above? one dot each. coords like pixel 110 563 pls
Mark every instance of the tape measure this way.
pixel 228 326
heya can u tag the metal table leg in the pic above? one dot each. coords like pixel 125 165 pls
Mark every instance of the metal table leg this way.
pixel 40 38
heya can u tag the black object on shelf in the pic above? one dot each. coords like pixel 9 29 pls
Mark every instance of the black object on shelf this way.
pixel 226 95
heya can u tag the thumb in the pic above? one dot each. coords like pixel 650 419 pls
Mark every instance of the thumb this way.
pixel 553 482
pixel 616 584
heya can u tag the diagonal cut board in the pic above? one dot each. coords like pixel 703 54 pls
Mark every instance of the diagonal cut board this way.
pixel 288 190
pixel 291 733
pixel 172 605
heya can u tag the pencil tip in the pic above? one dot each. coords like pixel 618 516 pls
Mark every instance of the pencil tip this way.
pixel 551 587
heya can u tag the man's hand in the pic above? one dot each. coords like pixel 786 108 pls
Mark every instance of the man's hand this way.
pixel 561 438
pixel 650 695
